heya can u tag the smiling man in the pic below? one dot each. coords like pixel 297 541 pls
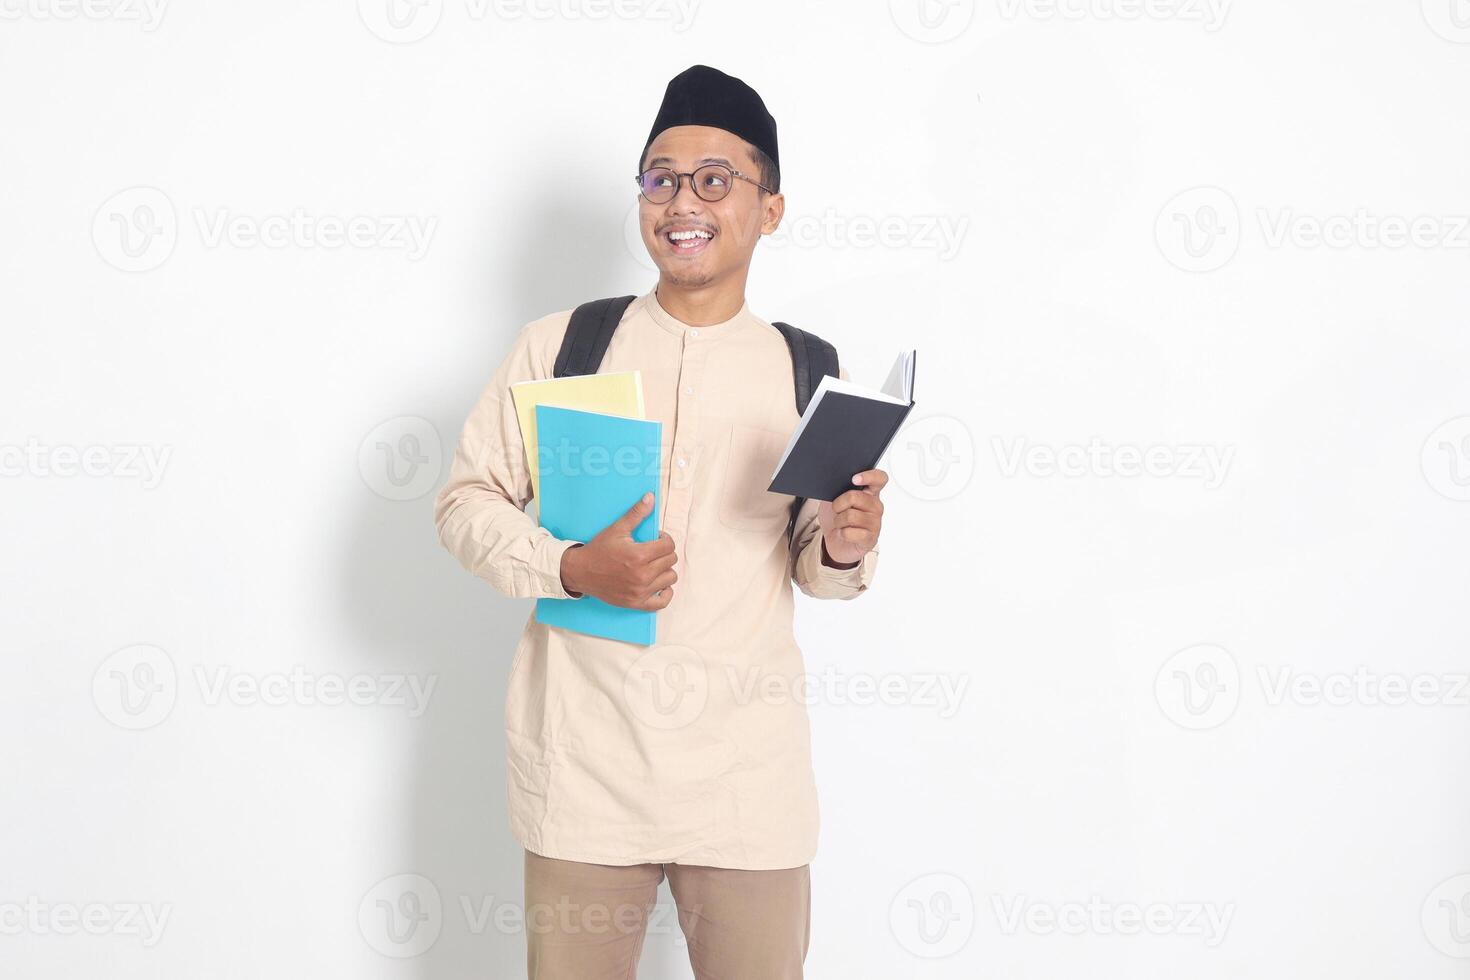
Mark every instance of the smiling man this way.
pixel 690 759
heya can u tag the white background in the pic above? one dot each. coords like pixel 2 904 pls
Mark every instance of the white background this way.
pixel 1131 194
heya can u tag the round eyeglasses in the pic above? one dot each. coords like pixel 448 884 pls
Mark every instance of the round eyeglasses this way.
pixel 711 182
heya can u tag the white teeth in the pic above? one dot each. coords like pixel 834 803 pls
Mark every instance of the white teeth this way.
pixel 681 236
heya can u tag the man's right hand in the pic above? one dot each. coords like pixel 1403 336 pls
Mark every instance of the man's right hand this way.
pixel 620 571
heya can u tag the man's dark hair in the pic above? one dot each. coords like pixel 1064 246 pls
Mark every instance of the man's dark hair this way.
pixel 766 168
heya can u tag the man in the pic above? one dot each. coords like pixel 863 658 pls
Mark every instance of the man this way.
pixel 690 758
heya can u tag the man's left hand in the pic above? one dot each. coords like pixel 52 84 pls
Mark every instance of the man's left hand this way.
pixel 850 524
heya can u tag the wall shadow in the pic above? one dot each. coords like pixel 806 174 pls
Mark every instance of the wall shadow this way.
pixel 412 608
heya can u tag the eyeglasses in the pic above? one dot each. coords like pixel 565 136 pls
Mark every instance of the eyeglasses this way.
pixel 659 185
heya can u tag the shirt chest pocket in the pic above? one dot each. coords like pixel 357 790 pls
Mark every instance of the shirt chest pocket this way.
pixel 751 456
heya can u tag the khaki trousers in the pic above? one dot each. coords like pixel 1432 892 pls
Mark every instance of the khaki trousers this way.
pixel 587 921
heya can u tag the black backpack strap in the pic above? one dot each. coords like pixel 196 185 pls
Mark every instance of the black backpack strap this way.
pixel 588 333
pixel 811 358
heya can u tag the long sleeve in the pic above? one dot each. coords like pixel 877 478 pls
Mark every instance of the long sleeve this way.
pixel 807 570
pixel 480 513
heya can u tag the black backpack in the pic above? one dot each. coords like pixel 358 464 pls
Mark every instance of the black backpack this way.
pixel 591 329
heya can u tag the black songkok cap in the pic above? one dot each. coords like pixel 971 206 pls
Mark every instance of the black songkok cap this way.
pixel 705 96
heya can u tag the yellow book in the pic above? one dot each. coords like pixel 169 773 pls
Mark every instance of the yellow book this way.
pixel 611 394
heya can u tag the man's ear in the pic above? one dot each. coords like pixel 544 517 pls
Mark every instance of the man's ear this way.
pixel 772 213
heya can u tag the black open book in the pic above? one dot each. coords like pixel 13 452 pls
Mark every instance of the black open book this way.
pixel 845 429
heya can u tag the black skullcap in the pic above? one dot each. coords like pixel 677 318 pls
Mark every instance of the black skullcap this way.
pixel 705 96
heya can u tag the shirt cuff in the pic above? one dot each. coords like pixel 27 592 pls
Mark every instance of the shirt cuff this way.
pixel 832 582
pixel 546 561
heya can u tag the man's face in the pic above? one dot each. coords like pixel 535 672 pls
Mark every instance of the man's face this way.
pixel 735 223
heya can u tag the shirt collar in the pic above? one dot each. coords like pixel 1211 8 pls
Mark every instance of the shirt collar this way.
pixel 678 327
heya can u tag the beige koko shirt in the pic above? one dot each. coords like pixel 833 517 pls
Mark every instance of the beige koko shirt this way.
pixel 695 750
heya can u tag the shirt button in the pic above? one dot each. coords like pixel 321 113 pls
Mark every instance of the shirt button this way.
pixel 680 461
pixel 694 333
pixel 688 391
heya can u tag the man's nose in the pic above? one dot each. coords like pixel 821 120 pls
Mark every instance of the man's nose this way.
pixel 691 202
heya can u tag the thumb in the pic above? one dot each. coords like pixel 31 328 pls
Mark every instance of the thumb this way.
pixel 624 525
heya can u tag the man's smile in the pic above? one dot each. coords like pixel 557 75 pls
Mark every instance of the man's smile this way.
pixel 688 239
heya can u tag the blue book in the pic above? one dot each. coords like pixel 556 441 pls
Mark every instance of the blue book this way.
pixel 593 468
